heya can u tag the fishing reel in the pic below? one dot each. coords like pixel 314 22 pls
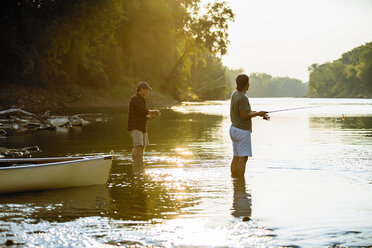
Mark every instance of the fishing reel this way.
pixel 266 117
pixel 153 115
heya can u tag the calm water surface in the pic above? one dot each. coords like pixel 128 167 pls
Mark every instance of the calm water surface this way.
pixel 308 184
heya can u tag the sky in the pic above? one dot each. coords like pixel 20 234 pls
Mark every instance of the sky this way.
pixel 284 37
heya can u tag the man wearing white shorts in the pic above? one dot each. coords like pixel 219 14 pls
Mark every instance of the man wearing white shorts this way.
pixel 241 126
pixel 138 115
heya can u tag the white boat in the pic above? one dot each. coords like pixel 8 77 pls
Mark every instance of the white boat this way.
pixel 32 174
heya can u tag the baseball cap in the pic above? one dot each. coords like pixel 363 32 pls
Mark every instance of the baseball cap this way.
pixel 144 85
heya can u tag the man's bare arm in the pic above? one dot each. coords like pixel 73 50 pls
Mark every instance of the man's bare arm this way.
pixel 244 114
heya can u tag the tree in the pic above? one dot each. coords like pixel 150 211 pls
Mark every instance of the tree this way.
pixel 349 76
pixel 103 44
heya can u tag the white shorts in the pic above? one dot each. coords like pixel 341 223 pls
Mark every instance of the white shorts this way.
pixel 139 138
pixel 241 139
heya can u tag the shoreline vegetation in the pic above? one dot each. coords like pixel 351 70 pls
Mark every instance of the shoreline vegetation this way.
pixel 347 77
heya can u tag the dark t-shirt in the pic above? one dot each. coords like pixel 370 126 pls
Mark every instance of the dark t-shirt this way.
pixel 240 102
pixel 137 115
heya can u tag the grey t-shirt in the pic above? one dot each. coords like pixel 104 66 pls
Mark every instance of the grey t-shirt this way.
pixel 240 102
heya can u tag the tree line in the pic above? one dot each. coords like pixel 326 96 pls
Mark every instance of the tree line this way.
pixel 175 45
pixel 265 85
pixel 349 76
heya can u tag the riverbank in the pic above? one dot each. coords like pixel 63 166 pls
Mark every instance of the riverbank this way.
pixel 73 99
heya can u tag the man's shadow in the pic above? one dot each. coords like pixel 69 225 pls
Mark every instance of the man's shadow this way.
pixel 242 201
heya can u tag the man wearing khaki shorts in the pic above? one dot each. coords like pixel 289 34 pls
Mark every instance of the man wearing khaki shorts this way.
pixel 138 116
pixel 241 126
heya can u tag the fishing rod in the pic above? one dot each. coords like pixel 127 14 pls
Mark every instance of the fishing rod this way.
pixel 193 92
pixel 267 117
pixel 289 109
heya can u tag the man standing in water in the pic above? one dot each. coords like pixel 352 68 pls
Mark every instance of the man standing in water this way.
pixel 241 126
pixel 137 119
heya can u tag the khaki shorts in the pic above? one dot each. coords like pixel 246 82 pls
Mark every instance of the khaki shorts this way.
pixel 139 138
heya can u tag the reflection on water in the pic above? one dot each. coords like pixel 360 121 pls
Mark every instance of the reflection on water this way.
pixel 56 205
pixel 242 200
pixel 143 196
pixel 308 183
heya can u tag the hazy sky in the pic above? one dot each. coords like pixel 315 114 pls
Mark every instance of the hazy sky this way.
pixel 284 37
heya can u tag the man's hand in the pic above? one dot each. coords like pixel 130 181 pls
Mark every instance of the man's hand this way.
pixel 262 113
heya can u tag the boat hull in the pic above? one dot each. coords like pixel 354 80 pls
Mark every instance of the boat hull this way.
pixel 64 174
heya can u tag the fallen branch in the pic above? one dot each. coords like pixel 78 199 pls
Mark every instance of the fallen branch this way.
pixel 18 112
pixel 18 152
pixel 18 119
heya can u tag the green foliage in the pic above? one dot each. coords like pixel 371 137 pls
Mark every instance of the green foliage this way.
pixel 98 44
pixel 349 76
pixel 210 28
pixel 264 85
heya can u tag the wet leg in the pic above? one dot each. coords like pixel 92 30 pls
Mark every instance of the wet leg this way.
pixel 241 165
pixel 239 169
pixel 137 155
pixel 234 166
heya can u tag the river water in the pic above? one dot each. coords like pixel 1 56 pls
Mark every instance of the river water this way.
pixel 308 184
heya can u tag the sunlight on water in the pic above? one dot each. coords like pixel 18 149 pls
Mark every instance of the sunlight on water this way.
pixel 183 151
pixel 308 184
